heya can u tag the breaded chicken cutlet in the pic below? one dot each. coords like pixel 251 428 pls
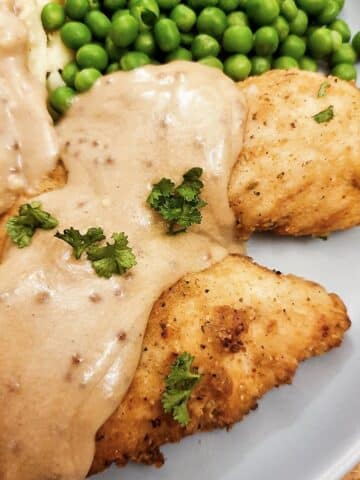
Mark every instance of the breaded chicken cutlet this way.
pixel 247 327
pixel 298 174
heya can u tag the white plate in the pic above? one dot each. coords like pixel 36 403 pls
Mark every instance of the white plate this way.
pixel 307 431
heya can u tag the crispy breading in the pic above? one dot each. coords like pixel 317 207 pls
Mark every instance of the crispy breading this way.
pixel 248 328
pixel 354 475
pixel 294 175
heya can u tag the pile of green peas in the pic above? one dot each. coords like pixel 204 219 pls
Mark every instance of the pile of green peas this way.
pixel 240 37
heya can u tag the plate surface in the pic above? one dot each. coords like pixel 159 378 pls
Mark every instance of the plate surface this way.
pixel 307 431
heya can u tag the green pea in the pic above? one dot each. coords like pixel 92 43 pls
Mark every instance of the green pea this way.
pixel 243 4
pixel 184 17
pixel 75 34
pixel 344 54
pixel 112 68
pixel 238 39
pixel 120 13
pixel 320 42
pixel 266 41
pixel 309 64
pixel 293 46
pixel 336 40
pixel 145 43
pixel 180 53
pixel 76 9
pixel 114 4
pixel 356 43
pixel 212 62
pixel 345 71
pixel 285 63
pixel 343 28
pixel 133 60
pixel 94 4
pixel 229 5
pixel 260 65
pixel 289 9
pixel 237 18
pixel 340 3
pixel 237 67
pixel 69 73
pixel 329 13
pixel 199 4
pixel 187 39
pixel 146 13
pixel 312 7
pixel 62 98
pixel 113 51
pixel 98 23
pixel 211 21
pixel 282 27
pixel 92 55
pixel 167 4
pixel 262 12
pixel 86 78
pixel 124 30
pixel 300 23
pixel 52 17
pixel 167 35
pixel 204 46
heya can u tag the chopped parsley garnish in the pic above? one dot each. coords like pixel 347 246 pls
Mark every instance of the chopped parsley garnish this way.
pixel 323 89
pixel 179 385
pixel 179 205
pixel 115 258
pixel 21 228
pixel 79 242
pixel 324 116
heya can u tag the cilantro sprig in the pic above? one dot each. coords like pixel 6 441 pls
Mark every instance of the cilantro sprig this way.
pixel 115 258
pixel 179 385
pixel 179 205
pixel 79 242
pixel 22 227
pixel 106 260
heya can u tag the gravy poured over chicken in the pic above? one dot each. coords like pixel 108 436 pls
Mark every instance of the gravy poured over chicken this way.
pixel 70 340
pixel 27 140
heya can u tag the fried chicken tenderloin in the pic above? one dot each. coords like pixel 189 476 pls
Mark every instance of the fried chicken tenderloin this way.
pixel 247 327
pixel 299 172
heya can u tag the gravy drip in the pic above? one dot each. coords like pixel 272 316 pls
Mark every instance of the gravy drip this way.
pixel 27 139
pixel 70 341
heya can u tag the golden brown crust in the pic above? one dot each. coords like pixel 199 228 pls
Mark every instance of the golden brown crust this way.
pixel 248 328
pixel 354 475
pixel 294 175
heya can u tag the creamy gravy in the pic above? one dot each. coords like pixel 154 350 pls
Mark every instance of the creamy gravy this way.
pixel 27 140
pixel 70 341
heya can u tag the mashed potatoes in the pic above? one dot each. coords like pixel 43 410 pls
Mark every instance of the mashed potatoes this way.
pixel 47 54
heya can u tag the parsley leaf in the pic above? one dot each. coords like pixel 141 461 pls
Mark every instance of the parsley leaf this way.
pixel 323 89
pixel 21 228
pixel 179 385
pixel 179 206
pixel 324 116
pixel 115 258
pixel 80 242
